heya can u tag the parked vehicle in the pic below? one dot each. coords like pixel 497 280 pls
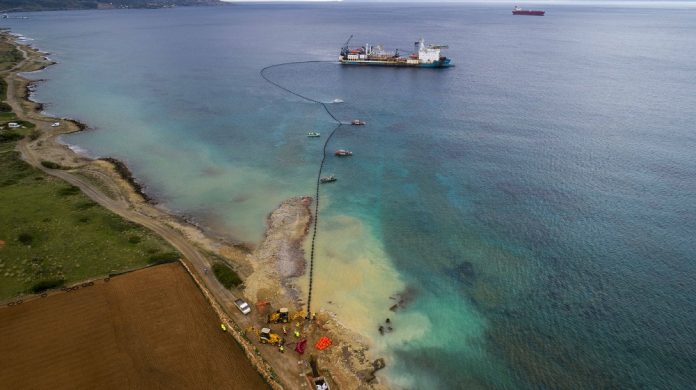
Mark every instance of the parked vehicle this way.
pixel 242 306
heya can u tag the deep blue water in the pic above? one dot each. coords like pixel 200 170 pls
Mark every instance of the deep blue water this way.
pixel 537 201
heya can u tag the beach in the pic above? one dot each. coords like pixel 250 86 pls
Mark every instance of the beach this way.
pixel 271 270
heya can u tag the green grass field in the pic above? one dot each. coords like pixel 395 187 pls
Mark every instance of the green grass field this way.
pixel 225 275
pixel 50 231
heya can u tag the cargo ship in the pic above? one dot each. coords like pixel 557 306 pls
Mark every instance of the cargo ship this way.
pixel 423 56
pixel 520 11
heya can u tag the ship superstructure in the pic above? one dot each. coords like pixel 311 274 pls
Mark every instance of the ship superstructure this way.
pixel 423 56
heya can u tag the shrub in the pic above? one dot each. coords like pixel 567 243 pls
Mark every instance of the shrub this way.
pixel 25 124
pixel 67 191
pixel 119 224
pixel 25 238
pixel 165 257
pixel 46 285
pixel 226 275
pixel 84 205
pixel 51 164
pixel 34 135
pixel 9 136
pixel 134 239
pixel 4 107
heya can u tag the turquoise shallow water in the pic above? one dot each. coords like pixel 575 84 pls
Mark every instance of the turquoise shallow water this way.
pixel 536 203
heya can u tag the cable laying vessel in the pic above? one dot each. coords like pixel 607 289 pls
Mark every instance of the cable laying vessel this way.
pixel 423 56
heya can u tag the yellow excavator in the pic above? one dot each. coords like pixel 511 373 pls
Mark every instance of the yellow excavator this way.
pixel 281 315
pixel 299 315
pixel 268 337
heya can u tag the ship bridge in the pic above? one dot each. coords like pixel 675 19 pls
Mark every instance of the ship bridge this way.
pixel 428 54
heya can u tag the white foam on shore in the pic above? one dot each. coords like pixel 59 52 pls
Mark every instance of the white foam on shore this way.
pixel 76 149
pixel 21 37
pixel 28 75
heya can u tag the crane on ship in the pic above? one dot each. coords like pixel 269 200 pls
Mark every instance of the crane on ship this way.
pixel 344 49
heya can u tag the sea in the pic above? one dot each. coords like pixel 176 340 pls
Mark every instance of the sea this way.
pixel 525 219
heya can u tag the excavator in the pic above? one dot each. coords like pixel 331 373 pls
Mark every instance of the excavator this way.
pixel 281 315
pixel 268 337
pixel 299 315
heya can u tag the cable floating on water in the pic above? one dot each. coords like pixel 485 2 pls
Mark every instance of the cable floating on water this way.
pixel 321 166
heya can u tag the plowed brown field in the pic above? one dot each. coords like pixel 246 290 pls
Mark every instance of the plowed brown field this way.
pixel 149 329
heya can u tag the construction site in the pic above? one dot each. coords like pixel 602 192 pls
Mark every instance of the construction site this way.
pixel 152 328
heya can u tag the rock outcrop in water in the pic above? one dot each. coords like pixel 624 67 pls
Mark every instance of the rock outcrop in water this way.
pixel 280 256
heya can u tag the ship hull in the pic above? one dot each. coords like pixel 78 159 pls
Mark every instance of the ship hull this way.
pixel 529 13
pixel 435 64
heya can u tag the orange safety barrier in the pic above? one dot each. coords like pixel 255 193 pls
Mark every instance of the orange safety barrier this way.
pixel 323 343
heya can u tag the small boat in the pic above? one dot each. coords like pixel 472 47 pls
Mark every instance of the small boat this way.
pixel 327 179
pixel 343 153
pixel 338 101
pixel 520 11
pixel 313 134
pixel 357 122
pixel 55 124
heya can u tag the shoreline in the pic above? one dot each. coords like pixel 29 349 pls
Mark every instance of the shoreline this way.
pixel 109 182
